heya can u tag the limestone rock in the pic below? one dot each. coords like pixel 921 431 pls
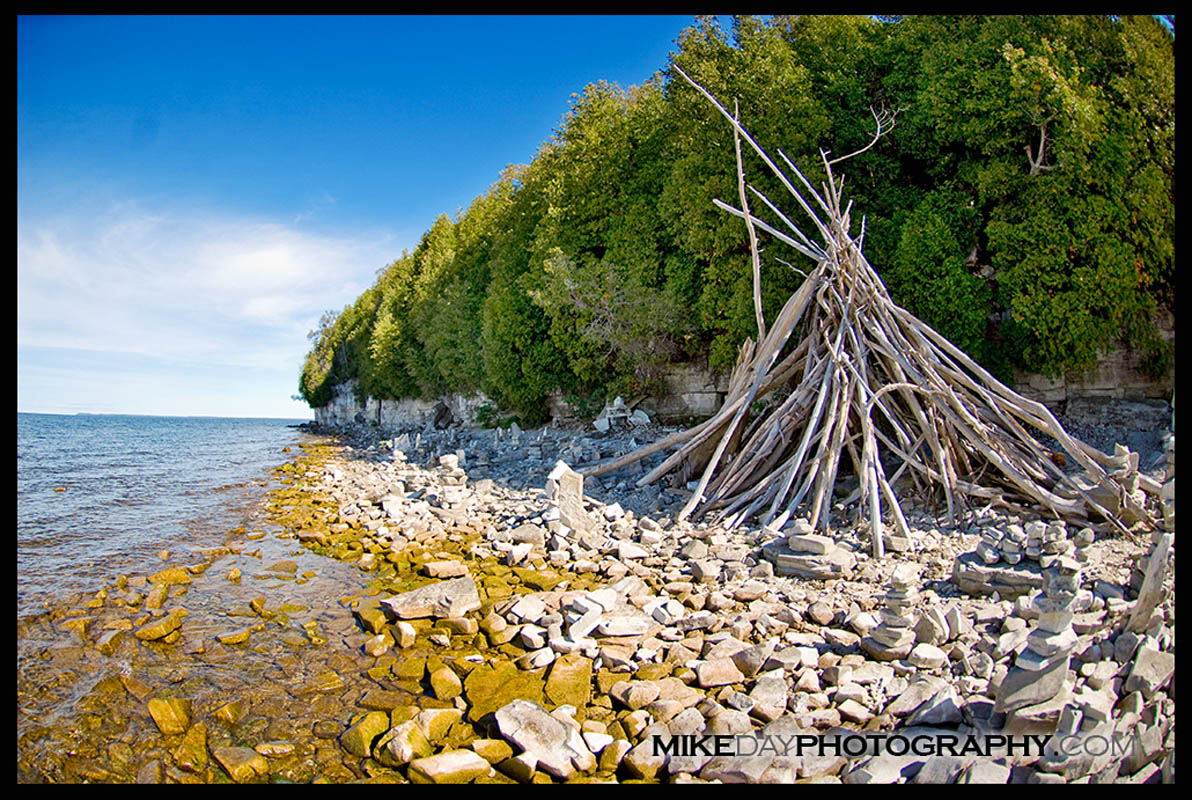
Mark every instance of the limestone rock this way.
pixel 972 576
pixel 445 683
pixel 450 598
pixel 718 672
pixel 402 744
pixel 159 628
pixel 926 656
pixel 1023 687
pixel 191 754
pixel 569 681
pixel 171 715
pixel 1152 669
pixel 558 748
pixel 449 767
pixel 243 764
pixel 359 738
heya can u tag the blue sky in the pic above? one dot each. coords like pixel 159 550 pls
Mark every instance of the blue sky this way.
pixel 193 193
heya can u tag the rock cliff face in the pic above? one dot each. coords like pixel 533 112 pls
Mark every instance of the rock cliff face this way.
pixel 692 390
pixel 1117 376
pixel 345 409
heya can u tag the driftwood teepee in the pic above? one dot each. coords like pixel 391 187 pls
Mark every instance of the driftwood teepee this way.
pixel 849 374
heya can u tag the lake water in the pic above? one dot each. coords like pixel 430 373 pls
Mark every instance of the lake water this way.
pixel 132 486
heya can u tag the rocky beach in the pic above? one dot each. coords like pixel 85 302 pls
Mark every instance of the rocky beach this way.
pixel 461 605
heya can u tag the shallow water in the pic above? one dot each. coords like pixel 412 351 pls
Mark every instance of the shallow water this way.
pixel 132 486
pixel 135 486
pixel 76 721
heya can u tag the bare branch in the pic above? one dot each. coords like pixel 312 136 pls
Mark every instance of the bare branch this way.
pixel 885 123
pixel 816 255
pixel 755 256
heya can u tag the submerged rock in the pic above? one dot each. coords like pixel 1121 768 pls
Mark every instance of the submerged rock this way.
pixel 160 628
pixel 243 764
pixel 171 715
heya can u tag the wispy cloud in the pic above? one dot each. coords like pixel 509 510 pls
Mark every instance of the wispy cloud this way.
pixel 187 287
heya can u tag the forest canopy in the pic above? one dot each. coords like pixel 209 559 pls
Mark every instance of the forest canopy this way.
pixel 1023 205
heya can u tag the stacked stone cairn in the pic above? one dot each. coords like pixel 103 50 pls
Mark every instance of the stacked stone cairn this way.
pixel 1082 541
pixel 1056 543
pixel 1040 673
pixel 1005 561
pixel 894 637
pixel 806 554
pixel 1038 541
pixel 617 412
pixel 454 479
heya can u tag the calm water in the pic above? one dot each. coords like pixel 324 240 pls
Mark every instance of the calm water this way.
pixel 134 485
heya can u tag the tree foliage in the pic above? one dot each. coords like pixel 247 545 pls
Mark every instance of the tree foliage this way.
pixel 1023 205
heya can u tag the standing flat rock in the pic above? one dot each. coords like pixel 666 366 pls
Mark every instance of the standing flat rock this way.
pixel 569 495
pixel 1151 594
pixel 453 598
pixel 1152 669
pixel 1021 687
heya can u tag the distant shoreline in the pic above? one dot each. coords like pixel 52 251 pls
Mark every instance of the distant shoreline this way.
pixel 155 416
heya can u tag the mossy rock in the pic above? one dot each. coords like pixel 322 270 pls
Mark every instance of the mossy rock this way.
pixel 411 669
pixel 403 714
pixel 493 751
pixel 191 753
pixel 461 734
pixel 231 713
pixel 382 668
pixel 372 618
pixel 359 738
pixel 492 686
pixel 445 683
pixel 569 681
pixel 605 680
pixel 160 628
pixel 239 637
pixel 243 764
pixel 538 580
pixel 653 672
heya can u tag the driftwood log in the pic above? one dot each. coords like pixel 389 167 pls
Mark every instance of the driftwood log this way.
pixel 845 373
